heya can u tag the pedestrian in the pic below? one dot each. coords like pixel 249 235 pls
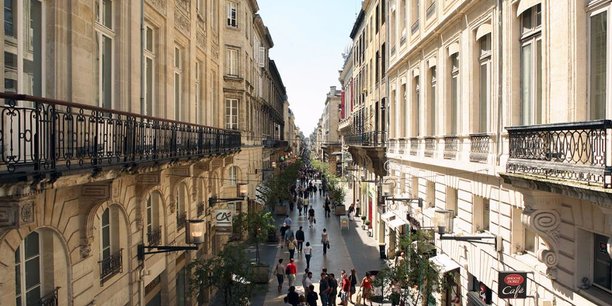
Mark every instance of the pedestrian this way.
pixel 325 241
pixel 311 296
pixel 307 280
pixel 280 274
pixel 292 297
pixel 283 230
pixel 288 220
pixel 350 211
pixel 289 236
pixel 366 287
pixel 311 217
pixel 308 254
pixel 324 289
pixel 327 207
pixel 345 288
pixel 353 280
pixel 299 236
pixel 333 285
pixel 291 247
pixel 302 300
pixel 291 271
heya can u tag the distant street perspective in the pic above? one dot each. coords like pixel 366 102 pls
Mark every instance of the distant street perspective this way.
pixel 306 153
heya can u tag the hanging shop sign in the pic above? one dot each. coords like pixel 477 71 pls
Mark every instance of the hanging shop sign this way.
pixel 223 217
pixel 512 285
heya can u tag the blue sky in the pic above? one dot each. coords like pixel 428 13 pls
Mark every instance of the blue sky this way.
pixel 309 38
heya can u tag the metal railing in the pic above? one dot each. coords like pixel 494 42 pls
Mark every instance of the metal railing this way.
pixel 430 146
pixel 154 235
pixel 575 151
pixel 414 145
pixel 111 265
pixel 51 299
pixel 450 147
pixel 43 136
pixel 372 139
pixel 479 147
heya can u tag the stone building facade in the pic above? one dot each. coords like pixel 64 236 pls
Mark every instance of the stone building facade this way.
pixel 150 142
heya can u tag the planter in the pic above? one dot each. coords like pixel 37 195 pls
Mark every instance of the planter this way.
pixel 280 210
pixel 340 210
pixel 261 273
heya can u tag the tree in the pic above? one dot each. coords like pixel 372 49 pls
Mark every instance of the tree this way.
pixel 257 225
pixel 279 186
pixel 230 271
pixel 415 274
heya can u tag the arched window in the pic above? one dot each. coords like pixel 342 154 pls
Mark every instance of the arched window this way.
pixel 28 270
pixel 153 222
pixel 531 65
pixel 110 251
pixel 182 201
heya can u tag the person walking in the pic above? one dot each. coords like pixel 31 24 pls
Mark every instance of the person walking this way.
pixel 292 297
pixel 291 247
pixel 280 274
pixel 327 207
pixel 324 290
pixel 345 288
pixel 307 280
pixel 283 230
pixel 289 235
pixel 333 285
pixel 366 287
pixel 311 217
pixel 325 241
pixel 308 254
pixel 311 296
pixel 353 281
pixel 299 236
pixel 300 205
pixel 291 271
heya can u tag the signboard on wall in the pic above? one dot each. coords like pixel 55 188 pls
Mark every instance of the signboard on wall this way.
pixel 223 217
pixel 512 285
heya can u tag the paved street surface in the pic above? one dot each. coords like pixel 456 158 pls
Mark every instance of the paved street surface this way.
pixel 350 248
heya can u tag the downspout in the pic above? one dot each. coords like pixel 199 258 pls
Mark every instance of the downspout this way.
pixel 141 274
pixel 500 112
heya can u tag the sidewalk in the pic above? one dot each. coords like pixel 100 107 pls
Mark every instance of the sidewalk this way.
pixel 350 248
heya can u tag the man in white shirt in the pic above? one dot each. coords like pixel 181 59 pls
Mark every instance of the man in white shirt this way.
pixel 307 250
pixel 307 281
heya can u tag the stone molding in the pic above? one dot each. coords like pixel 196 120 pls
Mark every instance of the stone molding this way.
pixel 159 5
pixel 17 212
pixel 540 216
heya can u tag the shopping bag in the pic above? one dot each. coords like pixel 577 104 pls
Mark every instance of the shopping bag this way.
pixel 358 299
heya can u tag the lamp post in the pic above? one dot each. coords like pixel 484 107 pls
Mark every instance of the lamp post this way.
pixel 443 222
pixel 195 228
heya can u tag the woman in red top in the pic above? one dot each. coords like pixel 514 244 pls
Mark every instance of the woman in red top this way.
pixel 346 288
pixel 366 287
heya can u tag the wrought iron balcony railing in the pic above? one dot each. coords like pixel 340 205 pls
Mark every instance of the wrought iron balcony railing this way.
pixel 50 299
pixel 450 147
pixel 370 139
pixel 576 151
pixel 479 147
pixel 154 235
pixel 111 265
pixel 43 136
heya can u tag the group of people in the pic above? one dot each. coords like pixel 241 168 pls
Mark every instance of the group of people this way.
pixel 330 288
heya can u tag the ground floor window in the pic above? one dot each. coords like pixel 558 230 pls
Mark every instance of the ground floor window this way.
pixel 602 263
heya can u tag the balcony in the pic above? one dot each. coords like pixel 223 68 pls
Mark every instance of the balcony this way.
pixel 50 299
pixel 368 139
pixel 450 147
pixel 479 147
pixel 110 266
pixel 430 146
pixel 154 235
pixel 576 151
pixel 44 137
pixel 402 145
pixel 392 145
pixel 275 143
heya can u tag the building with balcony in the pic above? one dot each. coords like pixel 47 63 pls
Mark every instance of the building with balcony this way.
pixel 113 137
pixel 499 124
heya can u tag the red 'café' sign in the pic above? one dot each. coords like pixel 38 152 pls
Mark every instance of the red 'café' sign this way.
pixel 512 285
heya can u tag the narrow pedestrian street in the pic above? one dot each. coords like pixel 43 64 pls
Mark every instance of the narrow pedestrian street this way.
pixel 349 249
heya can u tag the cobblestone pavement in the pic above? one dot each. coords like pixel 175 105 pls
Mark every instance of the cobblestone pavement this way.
pixel 350 248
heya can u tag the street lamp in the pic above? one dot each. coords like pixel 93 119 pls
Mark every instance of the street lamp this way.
pixel 195 228
pixel 242 190
pixel 443 221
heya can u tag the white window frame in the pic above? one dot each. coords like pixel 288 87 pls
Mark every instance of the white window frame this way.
pixel 148 107
pixel 531 111
pixel 178 83
pixel 600 7
pixel 432 101
pixel 232 62
pixel 484 84
pixel 231 113
pixel 103 226
pixel 232 14
pixel 20 265
pixel 454 101
pixel 232 175
pixel 417 107
pixel 103 31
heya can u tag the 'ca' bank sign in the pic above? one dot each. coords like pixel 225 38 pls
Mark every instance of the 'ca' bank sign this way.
pixel 223 217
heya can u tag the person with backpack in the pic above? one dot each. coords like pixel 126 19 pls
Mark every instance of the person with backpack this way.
pixel 291 247
pixel 280 274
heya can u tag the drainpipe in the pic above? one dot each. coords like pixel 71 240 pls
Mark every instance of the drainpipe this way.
pixel 499 81
pixel 141 274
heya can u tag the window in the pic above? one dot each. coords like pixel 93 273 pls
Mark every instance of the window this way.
pixel 432 102
pixel 28 271
pixel 232 62
pixel 232 175
pixel 403 8
pixel 198 92
pixel 178 83
pixel 602 263
pixel 452 198
pixel 416 107
pixel 531 66
pixel 110 254
pixel 598 61
pixel 181 282
pixel 531 241
pixel 231 114
pixel 481 213
pixel 453 109
pixel 415 16
pixel 430 196
pixel 483 109
pixel 153 219
pixel 214 11
pixel 182 201
pixel 103 68
pixel 232 13
pixel 149 67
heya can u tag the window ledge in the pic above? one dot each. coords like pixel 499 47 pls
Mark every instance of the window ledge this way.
pixel 596 295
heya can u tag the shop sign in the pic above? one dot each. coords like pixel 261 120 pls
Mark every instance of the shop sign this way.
pixel 512 285
pixel 223 217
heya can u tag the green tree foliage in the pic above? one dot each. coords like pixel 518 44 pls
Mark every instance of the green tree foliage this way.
pixel 334 187
pixel 415 274
pixel 257 225
pixel 230 271
pixel 279 185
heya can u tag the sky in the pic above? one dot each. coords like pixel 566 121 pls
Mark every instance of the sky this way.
pixel 309 39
